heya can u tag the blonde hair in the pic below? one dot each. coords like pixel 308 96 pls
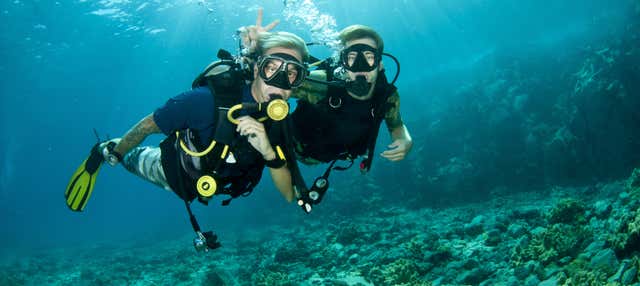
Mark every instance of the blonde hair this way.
pixel 355 32
pixel 287 40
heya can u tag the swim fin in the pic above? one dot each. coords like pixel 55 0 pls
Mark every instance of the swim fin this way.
pixel 82 182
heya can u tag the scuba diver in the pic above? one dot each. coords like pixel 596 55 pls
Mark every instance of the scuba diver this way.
pixel 219 135
pixel 340 108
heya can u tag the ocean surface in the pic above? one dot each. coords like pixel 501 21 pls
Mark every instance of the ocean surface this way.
pixel 525 119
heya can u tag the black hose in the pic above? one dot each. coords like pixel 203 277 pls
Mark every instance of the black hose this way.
pixel 397 65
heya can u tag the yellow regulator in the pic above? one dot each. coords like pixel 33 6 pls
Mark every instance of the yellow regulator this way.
pixel 276 109
pixel 206 186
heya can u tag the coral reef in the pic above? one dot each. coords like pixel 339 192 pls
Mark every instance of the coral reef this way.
pixel 269 278
pixel 533 119
pixel 567 211
pixel 545 238
pixel 400 272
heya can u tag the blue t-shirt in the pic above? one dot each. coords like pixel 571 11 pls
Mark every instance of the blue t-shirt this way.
pixel 192 109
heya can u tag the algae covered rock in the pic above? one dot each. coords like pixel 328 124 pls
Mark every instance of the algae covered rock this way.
pixel 291 254
pixel 400 272
pixel 474 276
pixel 568 211
pixel 270 278
pixel 476 226
pixel 557 241
pixel 633 182
pixel 605 261
pixel 348 233
pixel 627 239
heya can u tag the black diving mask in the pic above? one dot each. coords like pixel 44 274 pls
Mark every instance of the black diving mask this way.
pixel 360 58
pixel 282 70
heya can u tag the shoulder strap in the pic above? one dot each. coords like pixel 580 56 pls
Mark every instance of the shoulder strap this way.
pixel 383 91
pixel 225 81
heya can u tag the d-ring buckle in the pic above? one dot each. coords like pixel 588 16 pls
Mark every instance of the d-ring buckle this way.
pixel 335 105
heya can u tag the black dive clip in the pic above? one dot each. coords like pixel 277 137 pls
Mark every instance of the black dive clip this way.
pixel 314 196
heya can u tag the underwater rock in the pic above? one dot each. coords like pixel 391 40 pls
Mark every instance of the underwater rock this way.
pixel 287 254
pixel 594 247
pixel 400 272
pixel 553 281
pixel 627 239
pixel 586 277
pixel 353 259
pixel 522 271
pixel 213 279
pixel 633 183
pixel 532 280
pixel 550 271
pixel 630 275
pixel 348 233
pixel 605 260
pixel 516 230
pixel 526 214
pixel 569 211
pixel 268 278
pixel 455 265
pixel 347 279
pixel 333 252
pixel 474 276
pixel 493 237
pixel 624 197
pixel 475 227
pixel 601 208
pixel 595 223
pixel 548 245
pixel 470 264
pixel 441 254
pixel 624 265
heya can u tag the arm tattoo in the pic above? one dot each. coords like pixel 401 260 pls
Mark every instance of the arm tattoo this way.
pixel 392 117
pixel 137 134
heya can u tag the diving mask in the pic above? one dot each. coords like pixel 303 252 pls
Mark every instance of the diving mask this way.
pixel 360 58
pixel 282 70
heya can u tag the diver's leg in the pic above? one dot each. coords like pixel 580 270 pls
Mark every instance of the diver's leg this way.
pixel 146 163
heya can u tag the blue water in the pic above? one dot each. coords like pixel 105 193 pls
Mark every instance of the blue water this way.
pixel 69 66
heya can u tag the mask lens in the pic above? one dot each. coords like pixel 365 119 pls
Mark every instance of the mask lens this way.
pixel 271 67
pixel 296 73
pixel 370 58
pixel 351 58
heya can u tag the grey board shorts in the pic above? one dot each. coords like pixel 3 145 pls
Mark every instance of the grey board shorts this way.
pixel 146 163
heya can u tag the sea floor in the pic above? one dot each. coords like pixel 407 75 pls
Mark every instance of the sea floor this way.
pixel 586 235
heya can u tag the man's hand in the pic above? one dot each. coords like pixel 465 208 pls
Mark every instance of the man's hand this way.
pixel 397 150
pixel 256 135
pixel 249 34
